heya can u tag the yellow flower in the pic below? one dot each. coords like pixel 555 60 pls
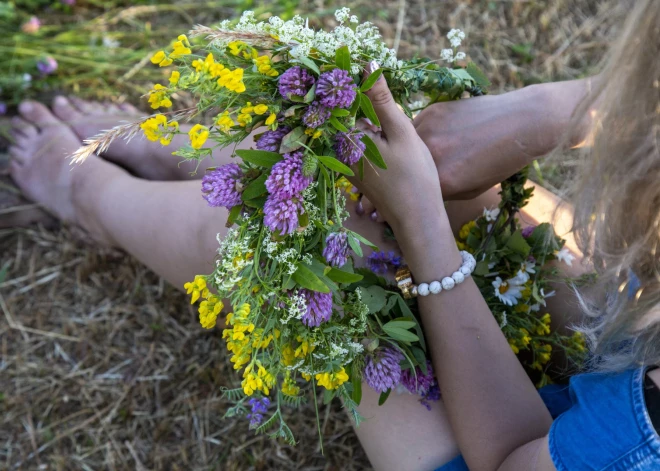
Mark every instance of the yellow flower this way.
pixel 224 122
pixel 306 376
pixel 161 59
pixel 198 136
pixel 244 119
pixel 526 338
pixel 287 355
pixel 460 245
pixel 180 47
pixel 318 133
pixel 514 347
pixel 265 66
pixel 465 230
pixel 260 109
pixel 271 119
pixel 332 380
pixel 158 97
pixel 209 311
pixel 197 288
pixel 544 328
pixel 303 349
pixel 174 78
pixel 240 48
pixel 289 386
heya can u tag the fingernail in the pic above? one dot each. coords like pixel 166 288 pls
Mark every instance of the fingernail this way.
pixel 61 101
pixel 359 208
pixel 25 107
pixel 374 66
pixel 374 216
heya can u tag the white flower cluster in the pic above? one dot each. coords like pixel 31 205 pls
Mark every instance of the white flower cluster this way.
pixel 232 259
pixel 455 36
pixel 296 307
pixel 363 40
pixel 289 258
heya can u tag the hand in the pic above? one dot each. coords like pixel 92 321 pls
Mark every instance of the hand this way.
pixel 478 142
pixel 409 189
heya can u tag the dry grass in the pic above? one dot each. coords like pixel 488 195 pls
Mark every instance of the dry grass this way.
pixel 104 366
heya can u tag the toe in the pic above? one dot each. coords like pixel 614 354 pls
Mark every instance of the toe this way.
pixel 22 130
pixel 65 110
pixel 37 114
pixel 18 155
pixel 86 107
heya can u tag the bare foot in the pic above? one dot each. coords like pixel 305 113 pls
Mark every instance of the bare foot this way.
pixel 41 169
pixel 144 158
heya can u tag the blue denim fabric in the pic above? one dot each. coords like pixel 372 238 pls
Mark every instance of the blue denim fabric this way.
pixel 601 423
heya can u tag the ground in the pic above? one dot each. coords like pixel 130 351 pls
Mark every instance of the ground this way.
pixel 104 366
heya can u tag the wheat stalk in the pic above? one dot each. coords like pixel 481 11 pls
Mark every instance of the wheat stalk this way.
pixel 262 39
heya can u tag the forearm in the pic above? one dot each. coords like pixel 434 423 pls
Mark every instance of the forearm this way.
pixel 492 405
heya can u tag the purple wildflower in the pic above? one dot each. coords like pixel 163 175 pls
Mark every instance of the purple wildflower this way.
pixel 316 115
pixel 220 186
pixel 295 81
pixel 271 140
pixel 3 108
pixel 349 146
pixel 527 231
pixel 432 395
pixel 286 179
pixel 336 249
pixel 259 407
pixel 319 307
pixel 383 371
pixel 379 262
pixel 282 215
pixel 336 89
pixel 422 384
pixel 47 65
pixel 68 2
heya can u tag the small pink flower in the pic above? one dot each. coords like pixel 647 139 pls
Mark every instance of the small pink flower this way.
pixel 31 26
pixel 47 65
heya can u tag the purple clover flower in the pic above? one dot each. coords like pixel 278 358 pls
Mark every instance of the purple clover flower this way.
pixel 271 140
pixel 47 65
pixel 336 89
pixel 383 371
pixel 422 384
pixel 349 146
pixel 380 262
pixel 432 395
pixel 316 115
pixel 527 231
pixel 319 307
pixel 286 179
pixel 282 215
pixel 295 81
pixel 259 407
pixel 336 249
pixel 3 108
pixel 220 186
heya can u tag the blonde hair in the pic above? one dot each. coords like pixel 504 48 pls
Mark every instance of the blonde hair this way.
pixel 616 195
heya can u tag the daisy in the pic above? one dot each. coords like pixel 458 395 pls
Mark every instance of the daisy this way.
pixel 506 291
pixel 491 215
pixel 565 256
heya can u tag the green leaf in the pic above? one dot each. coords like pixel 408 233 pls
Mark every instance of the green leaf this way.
pixel 261 158
pixel 372 153
pixel 338 126
pixel 368 110
pixel 405 310
pixel 420 357
pixel 518 244
pixel 383 397
pixel 364 241
pixel 478 76
pixel 336 165
pixel 399 334
pixel 322 193
pixel 310 95
pixel 289 284
pixel 307 279
pixel 294 140
pixel 341 276
pixel 371 80
pixel 356 380
pixel 361 169
pixel 374 298
pixel 401 324
pixel 481 268
pixel 355 106
pixel 311 64
pixel 343 58
pixel 257 187
pixel 340 113
pixel 328 396
pixel 256 202
pixel 355 245
pixel 231 219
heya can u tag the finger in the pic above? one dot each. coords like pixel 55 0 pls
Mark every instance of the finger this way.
pixel 367 205
pixel 369 129
pixel 392 120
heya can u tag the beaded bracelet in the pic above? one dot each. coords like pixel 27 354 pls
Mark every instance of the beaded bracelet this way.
pixel 410 290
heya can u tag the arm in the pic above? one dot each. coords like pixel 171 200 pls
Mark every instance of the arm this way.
pixel 495 411
pixel 478 142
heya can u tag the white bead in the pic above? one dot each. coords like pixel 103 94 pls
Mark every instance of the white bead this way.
pixel 423 289
pixel 465 270
pixel 458 277
pixel 435 287
pixel 448 283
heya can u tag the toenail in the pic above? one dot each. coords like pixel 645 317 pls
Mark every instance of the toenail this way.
pixel 26 107
pixel 61 101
